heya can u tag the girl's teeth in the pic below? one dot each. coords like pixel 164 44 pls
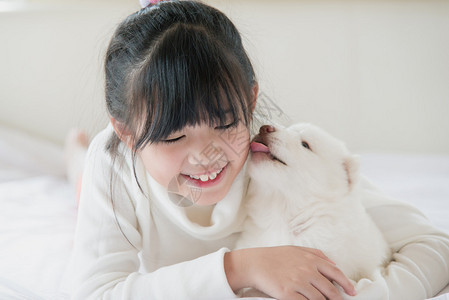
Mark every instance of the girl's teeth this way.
pixel 206 177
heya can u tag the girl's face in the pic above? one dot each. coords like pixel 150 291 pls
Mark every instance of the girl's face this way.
pixel 199 162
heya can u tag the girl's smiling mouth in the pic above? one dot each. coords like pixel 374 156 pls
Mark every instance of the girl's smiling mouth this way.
pixel 206 179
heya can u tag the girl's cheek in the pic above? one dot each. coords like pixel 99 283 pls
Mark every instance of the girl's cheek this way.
pixel 161 164
pixel 237 141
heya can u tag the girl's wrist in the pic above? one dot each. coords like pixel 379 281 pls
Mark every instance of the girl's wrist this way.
pixel 237 269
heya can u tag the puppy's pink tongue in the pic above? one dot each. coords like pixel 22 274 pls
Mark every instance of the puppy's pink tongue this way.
pixel 258 147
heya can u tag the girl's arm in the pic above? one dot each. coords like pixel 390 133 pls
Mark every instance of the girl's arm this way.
pixel 420 266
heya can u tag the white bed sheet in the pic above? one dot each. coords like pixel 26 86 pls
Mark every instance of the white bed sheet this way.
pixel 421 180
pixel 37 217
pixel 38 211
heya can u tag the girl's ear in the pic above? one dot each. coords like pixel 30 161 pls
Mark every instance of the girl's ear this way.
pixel 123 134
pixel 255 92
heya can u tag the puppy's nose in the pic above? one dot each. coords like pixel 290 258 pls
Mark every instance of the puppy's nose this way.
pixel 266 129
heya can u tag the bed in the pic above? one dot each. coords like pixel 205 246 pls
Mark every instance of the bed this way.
pixel 38 211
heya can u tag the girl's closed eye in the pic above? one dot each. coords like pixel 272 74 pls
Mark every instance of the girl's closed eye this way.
pixel 228 126
pixel 173 140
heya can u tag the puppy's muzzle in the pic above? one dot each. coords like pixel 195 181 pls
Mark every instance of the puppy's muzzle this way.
pixel 263 138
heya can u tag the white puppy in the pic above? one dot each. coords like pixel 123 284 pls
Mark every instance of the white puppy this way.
pixel 303 191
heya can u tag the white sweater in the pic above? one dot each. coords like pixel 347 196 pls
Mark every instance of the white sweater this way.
pixel 152 249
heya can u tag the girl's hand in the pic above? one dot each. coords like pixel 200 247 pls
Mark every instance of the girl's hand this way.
pixel 286 272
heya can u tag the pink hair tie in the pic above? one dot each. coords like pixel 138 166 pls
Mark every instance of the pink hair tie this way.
pixel 145 3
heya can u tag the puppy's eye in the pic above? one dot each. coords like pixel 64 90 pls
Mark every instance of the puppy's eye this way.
pixel 305 145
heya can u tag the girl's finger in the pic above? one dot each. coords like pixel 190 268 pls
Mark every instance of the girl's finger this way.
pixel 322 284
pixel 311 292
pixel 335 274
pixel 296 296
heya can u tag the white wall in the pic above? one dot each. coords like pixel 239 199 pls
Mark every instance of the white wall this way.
pixel 51 59
pixel 374 73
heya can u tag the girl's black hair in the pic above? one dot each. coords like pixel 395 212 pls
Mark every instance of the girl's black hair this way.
pixel 174 64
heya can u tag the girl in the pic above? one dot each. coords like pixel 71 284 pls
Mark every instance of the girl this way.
pixel 161 196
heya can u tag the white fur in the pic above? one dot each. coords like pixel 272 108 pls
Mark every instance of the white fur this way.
pixel 311 201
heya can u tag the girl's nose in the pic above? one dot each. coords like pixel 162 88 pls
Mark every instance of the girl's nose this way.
pixel 205 154
pixel 266 129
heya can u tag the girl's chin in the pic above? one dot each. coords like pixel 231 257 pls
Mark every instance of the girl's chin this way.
pixel 192 195
pixel 206 198
pixel 207 201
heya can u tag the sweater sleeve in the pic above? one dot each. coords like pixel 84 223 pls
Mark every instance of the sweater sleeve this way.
pixel 105 262
pixel 420 265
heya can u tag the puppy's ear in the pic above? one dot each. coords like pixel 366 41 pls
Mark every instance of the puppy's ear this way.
pixel 351 165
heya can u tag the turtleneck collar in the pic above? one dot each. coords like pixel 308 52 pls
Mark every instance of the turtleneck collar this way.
pixel 226 217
